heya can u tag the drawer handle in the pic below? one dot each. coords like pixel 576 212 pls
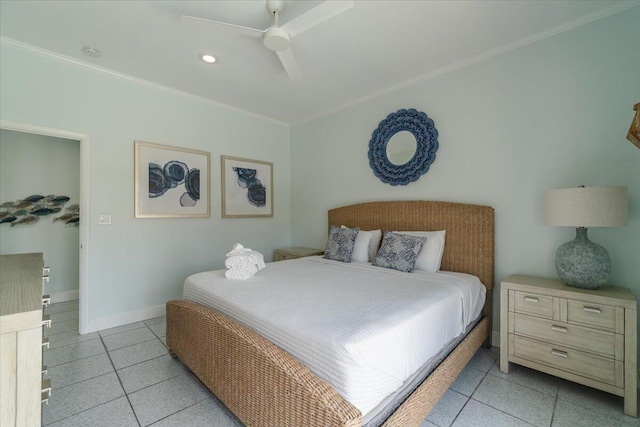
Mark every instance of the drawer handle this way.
pixel 46 300
pixel 559 328
pixel 592 310
pixel 45 342
pixel 46 386
pixel 531 299
pixel 559 353
pixel 46 270
pixel 46 320
pixel 44 397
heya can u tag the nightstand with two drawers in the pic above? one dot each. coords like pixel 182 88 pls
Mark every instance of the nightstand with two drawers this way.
pixel 588 336
pixel 293 253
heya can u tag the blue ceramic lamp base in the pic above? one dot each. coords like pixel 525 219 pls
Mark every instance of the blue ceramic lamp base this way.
pixel 582 263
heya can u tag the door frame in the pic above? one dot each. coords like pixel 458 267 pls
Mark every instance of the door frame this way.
pixel 83 285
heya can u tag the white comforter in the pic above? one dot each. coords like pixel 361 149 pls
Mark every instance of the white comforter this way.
pixel 363 329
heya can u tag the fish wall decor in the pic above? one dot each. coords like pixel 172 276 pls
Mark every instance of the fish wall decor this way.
pixel 30 209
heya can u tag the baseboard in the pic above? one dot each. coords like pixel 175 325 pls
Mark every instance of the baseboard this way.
pixel 126 318
pixel 64 296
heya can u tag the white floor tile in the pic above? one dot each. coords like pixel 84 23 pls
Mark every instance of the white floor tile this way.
pixel 204 414
pixel 123 328
pixel 447 409
pixel 540 381
pixel 468 381
pixel 60 326
pixel 597 401
pixel 483 360
pixel 568 414
pixel 138 353
pixel 166 398
pixel 127 338
pixel 68 338
pixel 522 402
pixel 74 399
pixel 80 370
pixel 475 414
pixel 116 413
pixel 151 372
pixel 62 307
pixel 69 353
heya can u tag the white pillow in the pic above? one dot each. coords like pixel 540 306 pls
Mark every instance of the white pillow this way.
pixel 366 245
pixel 430 255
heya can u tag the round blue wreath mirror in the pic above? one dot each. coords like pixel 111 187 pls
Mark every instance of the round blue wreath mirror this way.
pixel 403 147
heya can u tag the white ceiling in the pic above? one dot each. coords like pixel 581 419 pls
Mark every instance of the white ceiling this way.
pixel 372 48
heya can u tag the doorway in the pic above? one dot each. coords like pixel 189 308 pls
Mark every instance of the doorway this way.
pixel 83 139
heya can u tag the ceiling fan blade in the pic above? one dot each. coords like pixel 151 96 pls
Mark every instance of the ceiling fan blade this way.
pixel 222 26
pixel 289 63
pixel 315 16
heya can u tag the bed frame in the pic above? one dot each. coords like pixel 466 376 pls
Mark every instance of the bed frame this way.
pixel 264 386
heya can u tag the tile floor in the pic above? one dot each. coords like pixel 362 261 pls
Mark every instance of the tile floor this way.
pixel 125 377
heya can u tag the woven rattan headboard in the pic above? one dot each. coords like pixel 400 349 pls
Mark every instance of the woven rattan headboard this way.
pixel 469 239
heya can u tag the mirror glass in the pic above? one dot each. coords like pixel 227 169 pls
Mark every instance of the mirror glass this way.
pixel 401 147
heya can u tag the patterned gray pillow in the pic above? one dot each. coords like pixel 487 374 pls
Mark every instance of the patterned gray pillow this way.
pixel 340 243
pixel 399 251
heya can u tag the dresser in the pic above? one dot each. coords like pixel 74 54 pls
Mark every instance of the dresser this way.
pixel 588 336
pixel 293 253
pixel 21 319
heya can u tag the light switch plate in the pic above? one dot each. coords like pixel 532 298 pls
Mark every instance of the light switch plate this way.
pixel 104 219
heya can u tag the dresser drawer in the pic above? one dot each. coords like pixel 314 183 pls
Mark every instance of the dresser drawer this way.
pixel 591 340
pixel 577 362
pixel 530 303
pixel 596 315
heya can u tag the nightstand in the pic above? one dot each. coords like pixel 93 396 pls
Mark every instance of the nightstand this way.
pixel 588 336
pixel 293 253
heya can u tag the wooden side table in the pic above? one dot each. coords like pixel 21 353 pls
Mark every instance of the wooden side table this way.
pixel 293 253
pixel 588 336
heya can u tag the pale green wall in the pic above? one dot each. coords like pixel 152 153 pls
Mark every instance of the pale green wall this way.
pixel 552 114
pixel 35 164
pixel 139 263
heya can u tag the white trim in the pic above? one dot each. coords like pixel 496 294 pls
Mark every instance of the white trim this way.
pixel 64 296
pixel 15 43
pixel 478 58
pixel 84 203
pixel 126 318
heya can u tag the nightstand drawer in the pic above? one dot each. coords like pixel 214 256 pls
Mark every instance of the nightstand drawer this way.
pixel 530 303
pixel 596 315
pixel 577 362
pixel 591 340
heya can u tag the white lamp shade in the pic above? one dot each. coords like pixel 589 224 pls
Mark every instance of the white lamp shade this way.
pixel 587 207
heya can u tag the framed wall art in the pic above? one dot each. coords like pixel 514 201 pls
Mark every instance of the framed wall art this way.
pixel 247 188
pixel 171 182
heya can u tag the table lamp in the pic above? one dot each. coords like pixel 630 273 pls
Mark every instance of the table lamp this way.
pixel 582 263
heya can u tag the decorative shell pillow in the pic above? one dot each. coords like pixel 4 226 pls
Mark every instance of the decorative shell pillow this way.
pixel 430 256
pixel 340 243
pixel 399 251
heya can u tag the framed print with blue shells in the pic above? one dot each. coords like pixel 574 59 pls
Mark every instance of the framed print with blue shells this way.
pixel 247 188
pixel 171 182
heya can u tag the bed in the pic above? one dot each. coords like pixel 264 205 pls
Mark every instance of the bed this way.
pixel 263 385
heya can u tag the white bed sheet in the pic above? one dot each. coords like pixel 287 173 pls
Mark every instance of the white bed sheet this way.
pixel 361 328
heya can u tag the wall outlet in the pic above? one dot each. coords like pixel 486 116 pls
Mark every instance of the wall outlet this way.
pixel 104 219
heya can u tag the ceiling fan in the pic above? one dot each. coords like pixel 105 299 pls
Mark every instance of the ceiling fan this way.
pixel 278 38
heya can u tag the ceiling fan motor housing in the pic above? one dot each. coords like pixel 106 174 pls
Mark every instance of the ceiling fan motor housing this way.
pixel 275 38
pixel 276 6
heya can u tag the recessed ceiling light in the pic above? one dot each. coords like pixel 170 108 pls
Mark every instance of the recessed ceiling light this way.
pixel 209 59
